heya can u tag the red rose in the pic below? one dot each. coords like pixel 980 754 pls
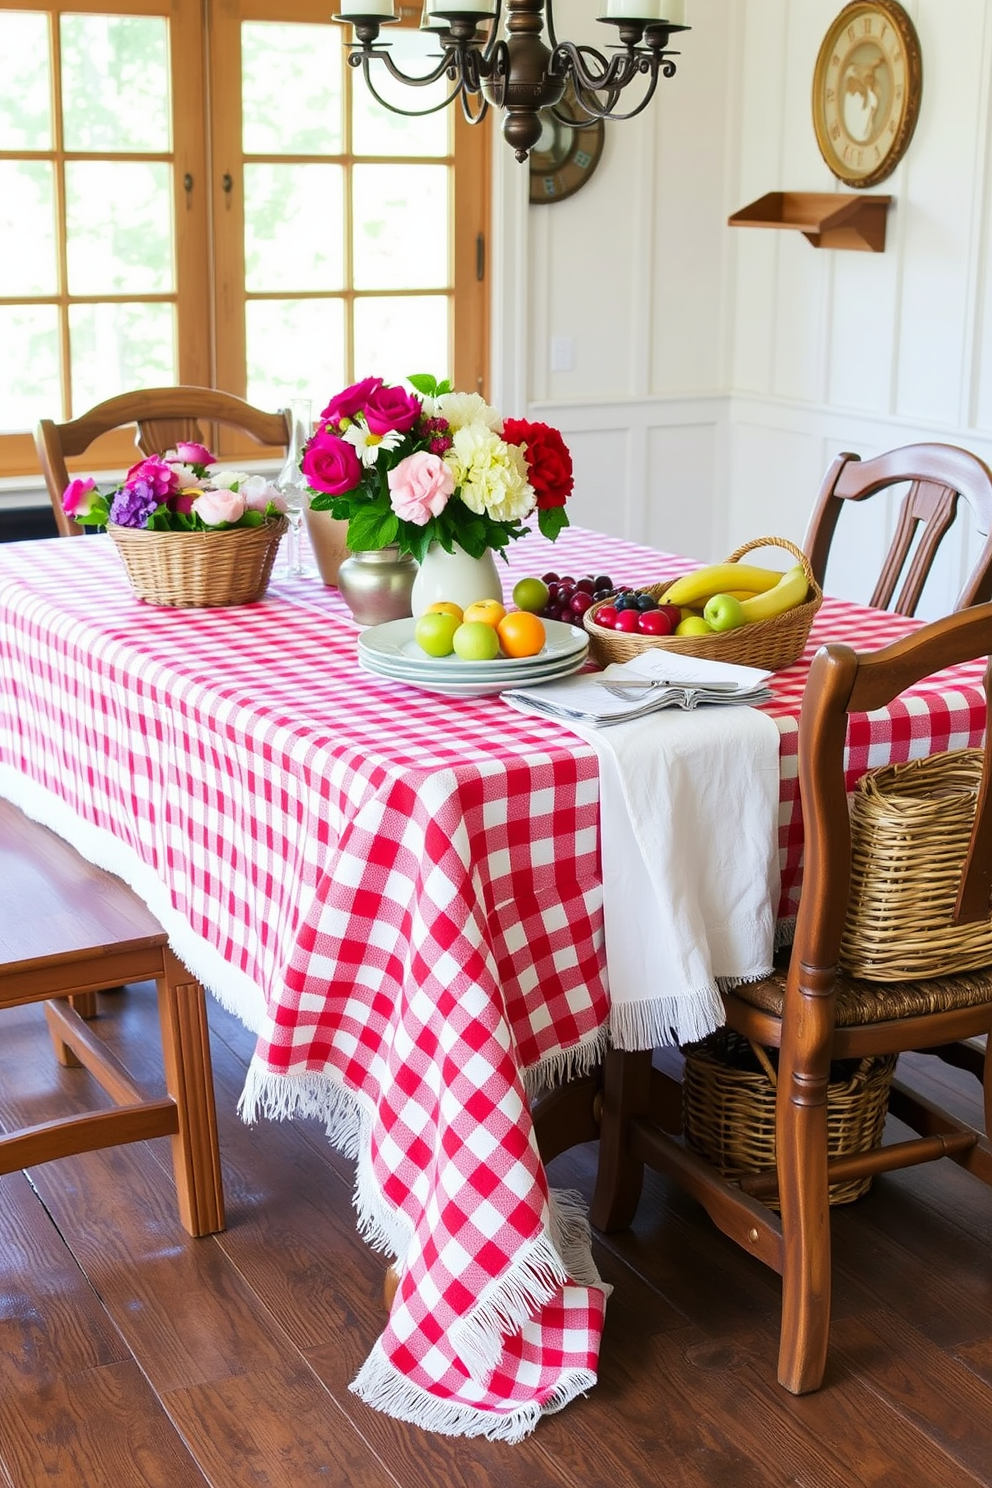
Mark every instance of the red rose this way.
pixel 549 464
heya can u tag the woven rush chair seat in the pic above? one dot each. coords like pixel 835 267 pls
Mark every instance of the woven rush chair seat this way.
pixel 767 1147
pixel 859 1002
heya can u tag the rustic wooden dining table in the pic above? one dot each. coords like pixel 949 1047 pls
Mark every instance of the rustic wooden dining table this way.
pixel 400 894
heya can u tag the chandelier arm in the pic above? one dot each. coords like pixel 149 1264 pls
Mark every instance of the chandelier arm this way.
pixel 596 112
pixel 467 113
pixel 359 59
pixel 568 60
pixel 365 55
pixel 549 20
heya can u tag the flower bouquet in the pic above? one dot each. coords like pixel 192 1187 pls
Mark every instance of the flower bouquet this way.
pixel 188 532
pixel 410 469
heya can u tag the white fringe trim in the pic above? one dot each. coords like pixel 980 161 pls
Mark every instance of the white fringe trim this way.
pixel 382 1388
pixel 506 1304
pixel 572 1235
pixel 666 1020
pixel 566 1064
pixel 348 1125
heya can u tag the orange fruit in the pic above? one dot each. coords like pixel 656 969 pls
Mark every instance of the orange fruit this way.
pixel 445 607
pixel 489 611
pixel 521 633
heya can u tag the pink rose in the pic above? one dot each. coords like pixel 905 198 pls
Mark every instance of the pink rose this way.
pixel 217 507
pixel 420 487
pixel 351 401
pixel 78 497
pixel 389 409
pixel 331 464
pixel 193 454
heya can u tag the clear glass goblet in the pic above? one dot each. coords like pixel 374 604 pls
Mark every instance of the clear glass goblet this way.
pixel 293 487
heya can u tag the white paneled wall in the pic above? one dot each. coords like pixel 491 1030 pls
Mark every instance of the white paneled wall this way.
pixel 718 370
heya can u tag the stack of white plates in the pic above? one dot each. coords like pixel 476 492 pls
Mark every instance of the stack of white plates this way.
pixel 390 651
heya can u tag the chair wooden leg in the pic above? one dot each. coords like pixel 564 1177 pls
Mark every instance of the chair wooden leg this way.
pixel 189 1080
pixel 801 1159
pixel 620 1174
pixel 84 1003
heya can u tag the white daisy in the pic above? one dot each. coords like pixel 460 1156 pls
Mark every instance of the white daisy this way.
pixel 368 444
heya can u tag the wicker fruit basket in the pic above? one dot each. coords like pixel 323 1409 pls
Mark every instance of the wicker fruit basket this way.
pixel 728 1108
pixel 910 828
pixel 770 644
pixel 188 570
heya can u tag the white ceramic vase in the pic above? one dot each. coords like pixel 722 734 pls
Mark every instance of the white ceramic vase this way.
pixel 455 576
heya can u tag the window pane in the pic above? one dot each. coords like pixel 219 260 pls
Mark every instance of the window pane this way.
pixel 115 82
pixel 29 367
pixel 401 226
pixel 376 131
pixel 27 228
pixel 119 227
pixel 291 89
pixel 394 337
pixel 116 348
pixel 294 235
pixel 25 110
pixel 296 349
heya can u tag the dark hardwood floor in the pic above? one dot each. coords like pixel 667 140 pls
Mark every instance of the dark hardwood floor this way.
pixel 131 1354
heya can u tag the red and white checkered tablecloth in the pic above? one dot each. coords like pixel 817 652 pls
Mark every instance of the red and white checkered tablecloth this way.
pixel 400 893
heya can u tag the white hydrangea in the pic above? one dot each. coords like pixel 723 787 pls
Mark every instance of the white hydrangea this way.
pixel 491 474
pixel 224 480
pixel 463 409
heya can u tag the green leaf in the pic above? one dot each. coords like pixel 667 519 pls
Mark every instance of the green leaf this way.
pixel 551 520
pixel 424 383
pixel 371 529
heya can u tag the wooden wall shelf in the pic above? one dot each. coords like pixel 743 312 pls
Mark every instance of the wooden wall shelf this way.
pixel 825 219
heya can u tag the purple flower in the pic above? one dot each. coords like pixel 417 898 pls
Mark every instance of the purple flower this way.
pixel 390 408
pixel 351 401
pixel 134 504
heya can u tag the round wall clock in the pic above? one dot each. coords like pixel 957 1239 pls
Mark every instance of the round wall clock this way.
pixel 566 155
pixel 866 91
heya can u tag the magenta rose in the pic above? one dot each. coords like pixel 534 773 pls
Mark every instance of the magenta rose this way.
pixel 216 507
pixel 351 401
pixel 331 464
pixel 156 474
pixel 420 487
pixel 391 409
pixel 79 496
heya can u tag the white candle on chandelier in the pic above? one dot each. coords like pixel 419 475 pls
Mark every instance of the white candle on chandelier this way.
pixel 464 7
pixel 367 8
pixel 634 10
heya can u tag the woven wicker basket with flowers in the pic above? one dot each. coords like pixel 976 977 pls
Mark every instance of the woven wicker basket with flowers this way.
pixel 189 533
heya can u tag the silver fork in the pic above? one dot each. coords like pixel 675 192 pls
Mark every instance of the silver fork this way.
pixel 623 690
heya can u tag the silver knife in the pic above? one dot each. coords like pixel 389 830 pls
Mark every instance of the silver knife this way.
pixel 664 682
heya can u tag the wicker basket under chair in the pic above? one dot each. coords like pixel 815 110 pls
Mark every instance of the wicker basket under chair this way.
pixel 768 644
pixel 728 1108
pixel 229 566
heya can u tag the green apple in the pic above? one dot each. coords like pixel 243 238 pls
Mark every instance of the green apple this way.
pixel 723 612
pixel 434 632
pixel 476 640
pixel 530 594
pixel 693 625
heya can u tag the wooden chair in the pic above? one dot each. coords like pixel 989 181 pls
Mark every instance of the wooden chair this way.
pixel 163 416
pixel 938 477
pixel 68 928
pixel 812 1014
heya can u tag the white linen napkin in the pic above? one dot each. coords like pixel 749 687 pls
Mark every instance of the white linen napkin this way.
pixel 689 842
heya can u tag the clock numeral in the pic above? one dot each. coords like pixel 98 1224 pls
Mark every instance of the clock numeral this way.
pixel 831 95
pixel 582 159
pixel 866 25
pixel 835 130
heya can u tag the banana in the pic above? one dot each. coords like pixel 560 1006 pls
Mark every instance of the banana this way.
pixel 791 589
pixel 718 578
